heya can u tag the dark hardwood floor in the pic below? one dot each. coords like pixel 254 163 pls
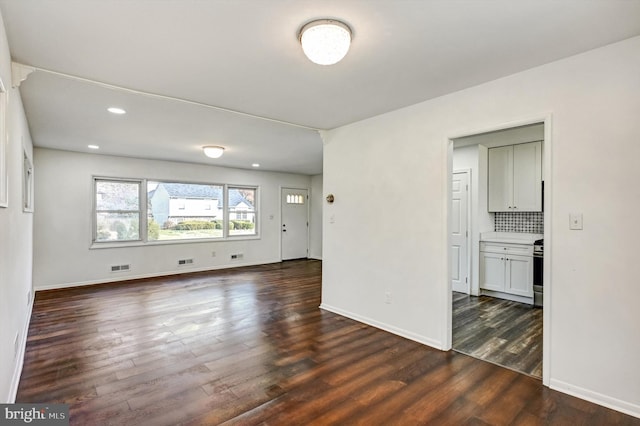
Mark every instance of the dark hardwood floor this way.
pixel 250 346
pixel 499 331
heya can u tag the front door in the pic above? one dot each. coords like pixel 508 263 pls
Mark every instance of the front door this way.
pixel 295 225
pixel 460 232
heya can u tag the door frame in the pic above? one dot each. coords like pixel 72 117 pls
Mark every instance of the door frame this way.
pixel 447 329
pixel 280 214
pixel 469 260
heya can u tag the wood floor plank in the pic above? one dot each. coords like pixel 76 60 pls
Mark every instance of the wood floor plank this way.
pixel 500 331
pixel 249 346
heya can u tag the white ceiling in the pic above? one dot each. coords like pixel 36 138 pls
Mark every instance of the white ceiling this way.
pixel 243 55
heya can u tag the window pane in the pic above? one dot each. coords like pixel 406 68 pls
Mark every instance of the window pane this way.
pixel 242 212
pixel 112 195
pixel 117 227
pixel 180 211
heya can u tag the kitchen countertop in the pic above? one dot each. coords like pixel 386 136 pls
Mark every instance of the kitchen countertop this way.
pixel 510 237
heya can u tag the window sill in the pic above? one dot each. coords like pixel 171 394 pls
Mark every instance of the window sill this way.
pixel 108 245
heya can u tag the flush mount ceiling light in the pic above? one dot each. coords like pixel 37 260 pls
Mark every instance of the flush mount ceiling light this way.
pixel 93 147
pixel 115 110
pixel 213 151
pixel 325 41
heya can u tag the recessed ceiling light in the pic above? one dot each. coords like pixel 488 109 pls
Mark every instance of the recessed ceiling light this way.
pixel 115 110
pixel 93 147
pixel 255 165
pixel 213 151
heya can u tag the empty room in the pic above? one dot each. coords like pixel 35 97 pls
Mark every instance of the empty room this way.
pixel 196 199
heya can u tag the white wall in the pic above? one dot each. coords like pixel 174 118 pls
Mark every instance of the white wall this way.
pixel 315 221
pixel 62 226
pixel 474 158
pixel 593 291
pixel 16 231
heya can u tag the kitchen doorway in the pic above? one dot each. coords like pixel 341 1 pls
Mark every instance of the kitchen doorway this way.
pixel 509 330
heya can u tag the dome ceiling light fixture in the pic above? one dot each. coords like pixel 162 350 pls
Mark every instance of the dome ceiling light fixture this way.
pixel 213 151
pixel 325 41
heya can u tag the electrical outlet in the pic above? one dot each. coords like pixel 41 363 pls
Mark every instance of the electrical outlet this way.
pixel 213 254
pixel 182 262
pixel 236 256
pixel 387 298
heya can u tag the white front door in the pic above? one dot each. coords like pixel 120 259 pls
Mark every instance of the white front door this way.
pixel 295 225
pixel 460 232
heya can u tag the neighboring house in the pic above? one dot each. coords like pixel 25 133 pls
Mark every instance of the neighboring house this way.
pixel 177 202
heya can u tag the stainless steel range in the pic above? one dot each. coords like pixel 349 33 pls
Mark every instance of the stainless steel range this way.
pixel 538 282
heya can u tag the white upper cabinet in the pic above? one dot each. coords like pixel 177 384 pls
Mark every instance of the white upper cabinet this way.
pixel 515 178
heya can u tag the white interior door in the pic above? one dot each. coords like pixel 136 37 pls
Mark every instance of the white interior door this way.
pixel 295 223
pixel 460 232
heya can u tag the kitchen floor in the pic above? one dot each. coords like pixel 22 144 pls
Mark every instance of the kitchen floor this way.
pixel 499 331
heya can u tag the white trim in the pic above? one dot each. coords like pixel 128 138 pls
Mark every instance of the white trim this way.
pixel 596 397
pixel 545 118
pixel 154 275
pixel 315 257
pixel 383 326
pixel 17 371
pixel 548 250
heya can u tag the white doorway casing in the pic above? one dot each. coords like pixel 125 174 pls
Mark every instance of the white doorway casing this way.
pixel 546 164
pixel 294 228
pixel 459 219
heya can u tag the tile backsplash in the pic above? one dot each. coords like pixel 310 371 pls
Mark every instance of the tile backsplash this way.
pixel 531 222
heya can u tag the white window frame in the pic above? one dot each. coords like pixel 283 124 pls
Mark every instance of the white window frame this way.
pixel 255 212
pixel 144 212
pixel 142 201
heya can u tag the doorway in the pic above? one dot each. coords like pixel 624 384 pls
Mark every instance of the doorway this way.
pixel 505 332
pixel 295 223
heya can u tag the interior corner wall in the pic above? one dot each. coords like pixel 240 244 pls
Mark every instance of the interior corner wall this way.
pixel 63 220
pixel 315 220
pixel 385 242
pixel 16 231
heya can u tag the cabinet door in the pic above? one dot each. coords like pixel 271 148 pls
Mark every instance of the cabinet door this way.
pixel 501 179
pixel 527 177
pixel 492 271
pixel 519 271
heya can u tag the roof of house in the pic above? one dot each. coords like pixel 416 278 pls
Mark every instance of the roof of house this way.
pixel 208 192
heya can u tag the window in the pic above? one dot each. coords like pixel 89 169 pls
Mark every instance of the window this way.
pixel 184 211
pixel 174 211
pixel 295 199
pixel 117 210
pixel 242 210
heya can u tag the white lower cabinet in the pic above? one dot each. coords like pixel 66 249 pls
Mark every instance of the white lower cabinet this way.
pixel 503 271
pixel 519 273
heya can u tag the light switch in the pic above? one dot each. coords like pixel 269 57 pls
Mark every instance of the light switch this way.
pixel 332 219
pixel 575 221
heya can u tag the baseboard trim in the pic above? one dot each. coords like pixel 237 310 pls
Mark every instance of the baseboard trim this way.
pixel 383 326
pixel 152 275
pixel 315 257
pixel 595 397
pixel 17 370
